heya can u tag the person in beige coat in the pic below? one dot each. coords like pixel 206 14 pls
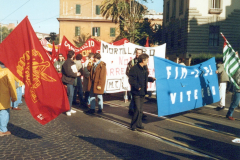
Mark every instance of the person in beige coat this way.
pixel 222 79
pixel 96 82
pixel 7 93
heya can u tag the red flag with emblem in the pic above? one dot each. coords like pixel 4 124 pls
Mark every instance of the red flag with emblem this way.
pixel 22 53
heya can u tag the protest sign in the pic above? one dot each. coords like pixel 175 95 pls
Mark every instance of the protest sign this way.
pixel 182 88
pixel 117 58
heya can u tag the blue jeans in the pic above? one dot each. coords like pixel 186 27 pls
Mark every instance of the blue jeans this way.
pixel 234 104
pixel 4 119
pixel 70 92
pixel 78 90
pixel 19 98
pixel 92 99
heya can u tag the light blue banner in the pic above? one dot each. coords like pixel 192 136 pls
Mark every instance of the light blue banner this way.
pixel 182 88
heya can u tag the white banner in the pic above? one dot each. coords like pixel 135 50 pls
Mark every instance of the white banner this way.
pixel 117 58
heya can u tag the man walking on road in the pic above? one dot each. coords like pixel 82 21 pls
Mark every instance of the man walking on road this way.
pixel 69 73
pixel 132 63
pixel 138 79
pixel 8 91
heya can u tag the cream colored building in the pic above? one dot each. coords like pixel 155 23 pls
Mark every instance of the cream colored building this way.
pixel 194 26
pixel 79 17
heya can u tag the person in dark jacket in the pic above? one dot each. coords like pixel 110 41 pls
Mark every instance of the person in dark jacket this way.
pixel 132 63
pixel 138 79
pixel 69 73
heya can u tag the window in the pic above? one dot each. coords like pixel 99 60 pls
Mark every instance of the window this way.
pixel 213 35
pixel 215 4
pixel 78 9
pixel 97 10
pixel 167 11
pixel 172 39
pixel 174 9
pixel 181 5
pixel 96 31
pixel 179 37
pixel 77 31
pixel 112 32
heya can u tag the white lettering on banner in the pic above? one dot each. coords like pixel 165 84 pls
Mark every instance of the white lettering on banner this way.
pixel 168 72
pixel 173 97
pixel 189 93
pixel 184 72
pixel 176 70
pixel 71 47
pixel 197 75
pixel 40 116
pixel 211 72
pixel 207 72
pixel 181 97
pixel 195 94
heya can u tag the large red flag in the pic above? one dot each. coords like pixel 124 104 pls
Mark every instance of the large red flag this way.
pixel 23 54
pixel 66 46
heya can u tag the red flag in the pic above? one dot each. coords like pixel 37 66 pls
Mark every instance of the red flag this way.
pixel 54 53
pixel 121 41
pixel 23 54
pixel 147 43
pixel 66 46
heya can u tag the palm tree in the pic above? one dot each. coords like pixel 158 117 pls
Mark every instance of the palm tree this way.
pixel 124 12
pixel 80 40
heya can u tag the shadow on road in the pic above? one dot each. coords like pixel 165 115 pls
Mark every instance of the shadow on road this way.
pixel 22 133
pixel 124 150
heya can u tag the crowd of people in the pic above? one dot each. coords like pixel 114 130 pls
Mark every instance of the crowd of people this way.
pixel 91 90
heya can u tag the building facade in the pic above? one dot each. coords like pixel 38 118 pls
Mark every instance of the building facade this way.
pixel 192 27
pixel 79 17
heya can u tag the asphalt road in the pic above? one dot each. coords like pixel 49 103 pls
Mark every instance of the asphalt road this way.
pixel 200 134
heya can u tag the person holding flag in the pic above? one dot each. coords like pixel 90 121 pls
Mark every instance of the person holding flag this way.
pixel 232 68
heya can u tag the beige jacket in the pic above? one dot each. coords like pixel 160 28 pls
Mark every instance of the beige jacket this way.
pixel 222 75
pixel 8 89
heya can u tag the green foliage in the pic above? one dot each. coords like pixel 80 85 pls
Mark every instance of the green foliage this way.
pixel 80 40
pixel 196 59
pixel 4 32
pixel 128 13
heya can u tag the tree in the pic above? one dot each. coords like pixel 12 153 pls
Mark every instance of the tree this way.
pixel 52 36
pixel 4 32
pixel 124 12
pixel 80 40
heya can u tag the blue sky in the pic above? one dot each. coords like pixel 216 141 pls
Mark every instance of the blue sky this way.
pixel 43 14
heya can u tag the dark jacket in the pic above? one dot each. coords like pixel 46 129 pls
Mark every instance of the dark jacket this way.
pixel 130 64
pixel 138 78
pixel 97 77
pixel 68 76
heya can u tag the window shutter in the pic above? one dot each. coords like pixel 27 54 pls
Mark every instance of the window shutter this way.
pixel 97 10
pixel 76 31
pixel 78 9
pixel 112 32
pixel 93 31
pixel 98 31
